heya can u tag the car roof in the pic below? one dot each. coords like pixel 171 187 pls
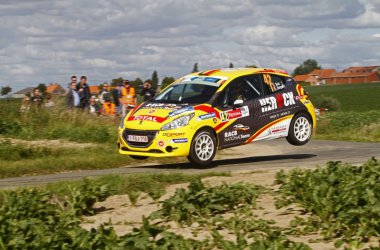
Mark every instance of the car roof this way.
pixel 236 72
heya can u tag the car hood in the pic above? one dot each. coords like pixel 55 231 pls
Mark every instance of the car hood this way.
pixel 152 116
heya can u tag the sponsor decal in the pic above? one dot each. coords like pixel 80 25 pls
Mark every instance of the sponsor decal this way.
pixel 161 143
pixel 240 127
pixel 180 111
pixel 161 106
pixel 173 134
pixel 215 120
pixel 278 129
pixel 279 101
pixel 233 136
pixel 206 116
pixel 152 111
pixel 234 113
pixel 150 118
pixel 300 97
pixel 180 140
pixel 209 79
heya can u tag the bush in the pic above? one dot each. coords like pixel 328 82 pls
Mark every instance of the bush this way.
pixel 327 102
pixel 343 199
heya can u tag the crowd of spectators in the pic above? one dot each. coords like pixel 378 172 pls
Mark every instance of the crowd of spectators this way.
pixel 109 102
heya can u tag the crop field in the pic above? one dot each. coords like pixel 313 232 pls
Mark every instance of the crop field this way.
pixel 354 97
pixel 336 205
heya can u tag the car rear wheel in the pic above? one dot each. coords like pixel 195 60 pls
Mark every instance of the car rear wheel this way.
pixel 300 130
pixel 139 157
pixel 203 148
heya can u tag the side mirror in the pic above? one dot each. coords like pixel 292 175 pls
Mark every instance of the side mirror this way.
pixel 238 103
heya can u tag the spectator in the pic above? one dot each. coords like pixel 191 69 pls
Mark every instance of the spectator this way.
pixel 73 80
pixel 72 97
pixel 84 92
pixel 94 107
pixel 49 102
pixel 108 108
pixel 104 93
pixel 37 98
pixel 116 94
pixel 25 105
pixel 147 92
pixel 128 97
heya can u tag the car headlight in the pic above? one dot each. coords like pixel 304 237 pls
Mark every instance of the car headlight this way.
pixel 179 122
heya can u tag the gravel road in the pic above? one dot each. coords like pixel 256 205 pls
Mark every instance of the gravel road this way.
pixel 277 154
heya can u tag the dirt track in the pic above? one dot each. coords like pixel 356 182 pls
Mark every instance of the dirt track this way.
pixel 277 154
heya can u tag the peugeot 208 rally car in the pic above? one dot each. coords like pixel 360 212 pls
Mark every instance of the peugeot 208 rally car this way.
pixel 205 111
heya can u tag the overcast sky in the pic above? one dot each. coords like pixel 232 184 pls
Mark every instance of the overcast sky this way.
pixel 44 41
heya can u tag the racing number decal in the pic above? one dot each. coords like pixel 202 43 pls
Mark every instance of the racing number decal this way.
pixel 268 81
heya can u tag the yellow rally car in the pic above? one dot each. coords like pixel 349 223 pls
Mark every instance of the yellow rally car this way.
pixel 202 112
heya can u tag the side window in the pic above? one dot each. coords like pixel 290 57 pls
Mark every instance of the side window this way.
pixel 244 88
pixel 273 83
pixel 290 81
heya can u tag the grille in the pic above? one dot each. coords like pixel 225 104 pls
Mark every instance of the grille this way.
pixel 151 134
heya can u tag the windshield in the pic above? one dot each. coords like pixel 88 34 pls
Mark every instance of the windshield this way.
pixel 190 92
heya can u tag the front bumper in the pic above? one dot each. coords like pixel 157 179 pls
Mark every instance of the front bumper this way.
pixel 159 144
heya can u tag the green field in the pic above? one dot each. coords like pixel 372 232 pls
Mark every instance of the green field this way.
pixel 353 97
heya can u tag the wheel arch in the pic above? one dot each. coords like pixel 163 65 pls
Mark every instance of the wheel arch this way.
pixel 210 129
pixel 305 112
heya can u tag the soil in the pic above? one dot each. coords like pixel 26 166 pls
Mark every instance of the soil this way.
pixel 120 214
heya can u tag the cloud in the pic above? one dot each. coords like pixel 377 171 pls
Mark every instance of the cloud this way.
pixel 48 41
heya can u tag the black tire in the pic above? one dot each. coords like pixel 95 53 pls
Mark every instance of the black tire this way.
pixel 300 130
pixel 139 157
pixel 203 148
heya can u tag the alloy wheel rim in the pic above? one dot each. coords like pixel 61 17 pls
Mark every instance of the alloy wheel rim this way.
pixel 302 129
pixel 204 147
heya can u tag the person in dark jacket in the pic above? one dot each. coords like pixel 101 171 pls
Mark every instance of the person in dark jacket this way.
pixel 116 94
pixel 147 92
pixel 84 92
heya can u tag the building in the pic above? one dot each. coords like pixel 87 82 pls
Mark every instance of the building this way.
pixel 23 92
pixel 308 79
pixel 351 75
pixel 94 90
pixel 322 75
pixel 55 89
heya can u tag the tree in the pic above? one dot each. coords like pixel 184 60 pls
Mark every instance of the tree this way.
pixel 5 90
pixel 166 81
pixel 231 65
pixel 137 84
pixel 195 68
pixel 42 87
pixel 306 67
pixel 115 81
pixel 154 80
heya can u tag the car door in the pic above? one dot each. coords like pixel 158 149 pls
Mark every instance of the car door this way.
pixel 238 103
pixel 275 106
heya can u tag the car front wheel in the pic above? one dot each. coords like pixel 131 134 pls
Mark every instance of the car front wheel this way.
pixel 300 130
pixel 203 148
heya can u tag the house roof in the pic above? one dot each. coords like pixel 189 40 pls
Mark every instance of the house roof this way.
pixel 322 73
pixel 53 87
pixel 363 69
pixel 353 74
pixel 94 89
pixel 301 78
pixel 24 91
